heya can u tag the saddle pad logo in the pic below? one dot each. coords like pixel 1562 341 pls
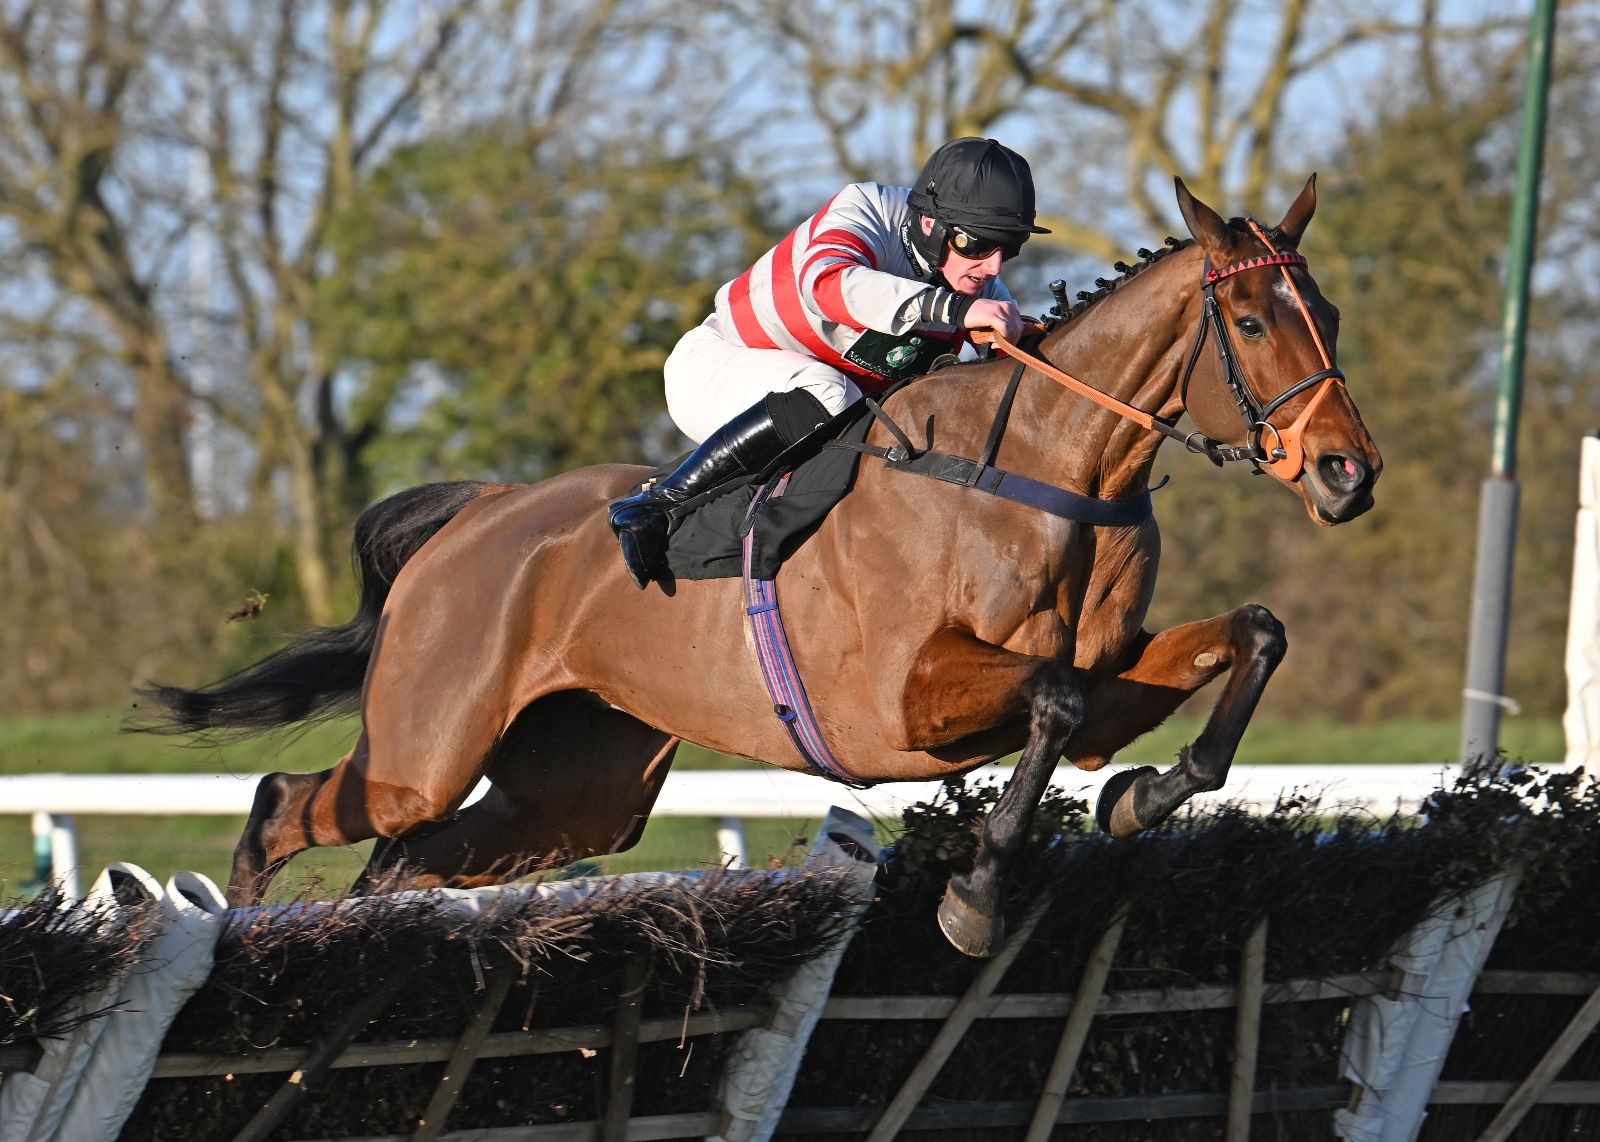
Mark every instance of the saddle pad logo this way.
pixel 896 358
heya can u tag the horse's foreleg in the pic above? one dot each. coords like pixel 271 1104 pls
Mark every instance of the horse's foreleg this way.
pixel 970 914
pixel 1248 643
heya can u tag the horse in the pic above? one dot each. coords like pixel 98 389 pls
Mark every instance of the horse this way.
pixel 938 629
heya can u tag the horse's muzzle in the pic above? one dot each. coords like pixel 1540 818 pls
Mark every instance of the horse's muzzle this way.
pixel 1340 488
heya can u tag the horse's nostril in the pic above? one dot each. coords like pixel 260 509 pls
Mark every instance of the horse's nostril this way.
pixel 1341 473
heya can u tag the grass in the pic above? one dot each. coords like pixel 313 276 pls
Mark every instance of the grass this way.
pixel 1321 741
pixel 94 743
pixel 163 846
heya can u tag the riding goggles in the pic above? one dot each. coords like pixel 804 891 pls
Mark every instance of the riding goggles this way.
pixel 976 246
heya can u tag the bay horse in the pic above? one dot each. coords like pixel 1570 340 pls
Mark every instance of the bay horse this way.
pixel 937 628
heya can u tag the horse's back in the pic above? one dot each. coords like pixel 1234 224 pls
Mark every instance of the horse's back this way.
pixel 524 593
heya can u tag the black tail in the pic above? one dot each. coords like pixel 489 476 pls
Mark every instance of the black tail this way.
pixel 319 674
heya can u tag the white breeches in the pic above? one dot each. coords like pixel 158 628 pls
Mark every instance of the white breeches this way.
pixel 710 381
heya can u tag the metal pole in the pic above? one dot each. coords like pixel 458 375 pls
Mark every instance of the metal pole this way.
pixel 1497 519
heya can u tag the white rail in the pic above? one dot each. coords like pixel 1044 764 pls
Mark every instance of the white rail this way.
pixel 727 795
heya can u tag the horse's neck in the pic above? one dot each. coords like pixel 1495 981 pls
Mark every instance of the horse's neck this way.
pixel 1131 346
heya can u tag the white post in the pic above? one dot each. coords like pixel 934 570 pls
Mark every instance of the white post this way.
pixel 55 852
pixel 730 842
pixel 43 856
pixel 1582 719
pixel 64 854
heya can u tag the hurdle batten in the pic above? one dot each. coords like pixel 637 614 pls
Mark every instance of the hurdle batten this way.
pixel 81 1087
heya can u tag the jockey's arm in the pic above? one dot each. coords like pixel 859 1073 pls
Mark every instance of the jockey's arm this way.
pixel 842 286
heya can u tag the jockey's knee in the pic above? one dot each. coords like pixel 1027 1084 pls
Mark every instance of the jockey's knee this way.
pixel 796 414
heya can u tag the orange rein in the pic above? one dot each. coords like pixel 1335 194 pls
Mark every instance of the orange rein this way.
pixel 1104 400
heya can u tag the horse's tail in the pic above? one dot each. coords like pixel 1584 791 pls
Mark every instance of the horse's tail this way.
pixel 318 675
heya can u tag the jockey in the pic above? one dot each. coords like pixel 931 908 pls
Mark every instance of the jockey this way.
pixel 868 291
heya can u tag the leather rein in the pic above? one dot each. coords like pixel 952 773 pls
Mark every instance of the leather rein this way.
pixel 1286 458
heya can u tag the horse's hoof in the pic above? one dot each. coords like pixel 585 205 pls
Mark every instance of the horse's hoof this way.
pixel 1114 811
pixel 969 931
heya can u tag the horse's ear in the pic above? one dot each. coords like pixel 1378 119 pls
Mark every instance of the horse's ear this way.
pixel 1204 223
pixel 1294 222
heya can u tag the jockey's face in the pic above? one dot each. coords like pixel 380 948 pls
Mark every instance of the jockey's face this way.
pixel 966 275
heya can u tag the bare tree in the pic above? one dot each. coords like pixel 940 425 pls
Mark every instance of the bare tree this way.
pixel 1109 99
pixel 140 140
pixel 68 76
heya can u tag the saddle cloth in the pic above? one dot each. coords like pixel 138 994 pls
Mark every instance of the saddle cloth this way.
pixel 707 544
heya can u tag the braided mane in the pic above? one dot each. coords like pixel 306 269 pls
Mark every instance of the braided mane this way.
pixel 1125 272
pixel 1148 258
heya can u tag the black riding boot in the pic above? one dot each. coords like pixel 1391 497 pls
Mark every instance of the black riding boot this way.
pixel 746 444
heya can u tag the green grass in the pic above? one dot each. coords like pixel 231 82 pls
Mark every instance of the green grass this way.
pixel 1320 741
pixel 94 743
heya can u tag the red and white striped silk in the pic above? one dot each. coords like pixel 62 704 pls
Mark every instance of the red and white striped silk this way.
pixel 841 272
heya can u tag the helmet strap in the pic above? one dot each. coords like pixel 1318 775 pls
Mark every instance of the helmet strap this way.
pixel 931 246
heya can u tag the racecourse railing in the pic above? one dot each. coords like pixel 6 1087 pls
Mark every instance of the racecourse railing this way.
pixel 728 796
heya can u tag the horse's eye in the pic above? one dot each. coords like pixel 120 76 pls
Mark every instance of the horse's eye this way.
pixel 1251 327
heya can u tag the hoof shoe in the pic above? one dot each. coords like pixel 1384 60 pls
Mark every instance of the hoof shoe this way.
pixel 1114 810
pixel 969 931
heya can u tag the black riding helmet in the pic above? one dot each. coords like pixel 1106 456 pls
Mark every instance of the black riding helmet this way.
pixel 979 185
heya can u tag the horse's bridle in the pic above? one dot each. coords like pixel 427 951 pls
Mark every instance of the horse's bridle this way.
pixel 1286 459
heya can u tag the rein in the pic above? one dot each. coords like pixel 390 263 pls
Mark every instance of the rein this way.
pixel 1193 441
pixel 1286 459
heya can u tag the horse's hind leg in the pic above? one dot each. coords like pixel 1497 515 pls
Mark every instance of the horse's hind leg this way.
pixel 293 812
pixel 1248 643
pixel 571 777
